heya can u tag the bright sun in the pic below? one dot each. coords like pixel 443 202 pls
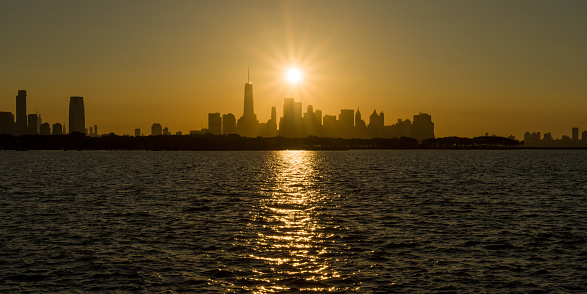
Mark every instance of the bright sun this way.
pixel 293 75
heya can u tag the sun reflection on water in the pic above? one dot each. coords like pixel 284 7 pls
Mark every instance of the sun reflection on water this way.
pixel 290 242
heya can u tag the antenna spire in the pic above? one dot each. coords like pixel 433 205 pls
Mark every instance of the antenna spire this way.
pixel 248 74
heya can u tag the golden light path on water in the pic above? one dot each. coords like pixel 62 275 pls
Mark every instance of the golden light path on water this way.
pixel 290 242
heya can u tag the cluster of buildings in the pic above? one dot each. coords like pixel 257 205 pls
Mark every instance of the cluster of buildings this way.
pixel 534 139
pixel 293 123
pixel 32 123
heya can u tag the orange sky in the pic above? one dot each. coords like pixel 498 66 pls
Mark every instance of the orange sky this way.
pixel 502 67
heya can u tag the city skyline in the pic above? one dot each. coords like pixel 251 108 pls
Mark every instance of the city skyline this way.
pixel 502 67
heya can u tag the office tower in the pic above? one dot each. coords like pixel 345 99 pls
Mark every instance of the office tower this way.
pixel 156 129
pixel 228 124
pixel 290 125
pixel 91 132
pixel 77 117
pixel 214 123
pixel 308 121
pixel 32 123
pixel 166 131
pixel 247 124
pixel 21 118
pixel 346 122
pixel 249 110
pixel 330 126
pixel 584 136
pixel 96 130
pixel 137 132
pixel 58 129
pixel 358 120
pixel 6 123
pixel 360 126
pixel 346 118
pixel 272 123
pixel 575 132
pixel 45 129
pixel 422 126
pixel 403 128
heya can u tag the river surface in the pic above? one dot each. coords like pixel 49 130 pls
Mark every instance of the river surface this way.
pixel 434 221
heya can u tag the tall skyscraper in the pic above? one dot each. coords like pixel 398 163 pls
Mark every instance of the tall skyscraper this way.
pixel 247 124
pixel 575 134
pixel 77 117
pixel 249 110
pixel 21 118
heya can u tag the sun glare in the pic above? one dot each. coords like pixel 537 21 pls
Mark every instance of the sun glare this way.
pixel 293 75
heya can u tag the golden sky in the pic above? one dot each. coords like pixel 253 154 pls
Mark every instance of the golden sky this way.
pixel 501 67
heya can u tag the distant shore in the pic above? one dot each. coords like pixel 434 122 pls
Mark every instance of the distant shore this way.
pixel 78 141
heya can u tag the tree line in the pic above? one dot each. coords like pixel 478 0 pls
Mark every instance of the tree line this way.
pixel 78 141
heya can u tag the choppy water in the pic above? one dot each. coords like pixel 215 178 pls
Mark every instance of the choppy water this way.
pixel 348 221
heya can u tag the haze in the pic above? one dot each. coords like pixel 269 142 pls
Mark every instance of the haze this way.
pixel 498 67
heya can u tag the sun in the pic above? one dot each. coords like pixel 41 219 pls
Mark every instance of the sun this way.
pixel 293 75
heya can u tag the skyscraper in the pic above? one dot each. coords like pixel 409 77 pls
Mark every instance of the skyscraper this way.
pixel 6 123
pixel 247 124
pixel 32 122
pixel 77 117
pixel 214 123
pixel 422 126
pixel 228 124
pixel 21 118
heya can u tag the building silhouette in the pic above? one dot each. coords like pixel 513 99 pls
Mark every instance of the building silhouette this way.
pixel 575 134
pixel 77 117
pixel 422 127
pixel 346 123
pixel 290 123
pixel 137 132
pixel 6 123
pixel 247 124
pixel 376 125
pixel 228 124
pixel 32 124
pixel 214 123
pixel 45 129
pixel 58 129
pixel 156 129
pixel 21 117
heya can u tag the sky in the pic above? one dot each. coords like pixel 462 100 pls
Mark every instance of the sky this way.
pixel 497 67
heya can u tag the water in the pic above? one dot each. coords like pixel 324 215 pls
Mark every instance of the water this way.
pixel 263 222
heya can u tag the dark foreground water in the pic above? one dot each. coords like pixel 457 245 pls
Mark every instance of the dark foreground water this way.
pixel 348 221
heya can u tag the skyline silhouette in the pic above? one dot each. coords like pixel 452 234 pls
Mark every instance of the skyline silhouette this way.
pixel 348 125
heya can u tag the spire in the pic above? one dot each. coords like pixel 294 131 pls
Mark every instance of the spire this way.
pixel 248 74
